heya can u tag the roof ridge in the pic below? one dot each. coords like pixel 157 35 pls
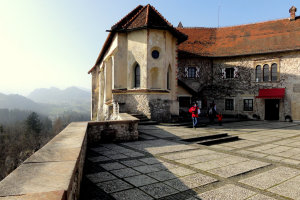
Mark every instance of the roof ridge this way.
pixel 195 27
pixel 233 26
pixel 139 6
pixel 253 23
pixel 147 15
pixel 161 16
pixel 135 16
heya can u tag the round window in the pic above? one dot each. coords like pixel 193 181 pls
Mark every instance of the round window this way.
pixel 155 54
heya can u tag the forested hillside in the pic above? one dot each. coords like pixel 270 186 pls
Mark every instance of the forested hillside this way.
pixel 24 132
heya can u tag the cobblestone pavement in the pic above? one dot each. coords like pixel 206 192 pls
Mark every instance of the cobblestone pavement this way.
pixel 263 165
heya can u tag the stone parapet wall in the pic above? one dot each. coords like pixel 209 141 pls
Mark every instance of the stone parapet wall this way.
pixel 154 106
pixel 55 171
pixel 124 129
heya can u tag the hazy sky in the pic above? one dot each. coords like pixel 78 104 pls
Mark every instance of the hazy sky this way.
pixel 45 43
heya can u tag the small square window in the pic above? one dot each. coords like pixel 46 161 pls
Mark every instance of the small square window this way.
pixel 228 104
pixel 248 104
pixel 229 72
pixel 191 72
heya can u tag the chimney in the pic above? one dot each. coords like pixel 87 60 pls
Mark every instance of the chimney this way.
pixel 180 25
pixel 293 11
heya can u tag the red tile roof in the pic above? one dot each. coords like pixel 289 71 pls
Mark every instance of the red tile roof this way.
pixel 265 37
pixel 142 17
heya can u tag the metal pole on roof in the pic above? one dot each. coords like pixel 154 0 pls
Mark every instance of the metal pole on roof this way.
pixel 219 7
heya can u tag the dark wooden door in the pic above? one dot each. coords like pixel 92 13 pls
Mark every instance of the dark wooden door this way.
pixel 272 109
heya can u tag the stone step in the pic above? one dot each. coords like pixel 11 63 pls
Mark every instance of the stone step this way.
pixel 141 117
pixel 148 122
pixel 206 137
pixel 219 140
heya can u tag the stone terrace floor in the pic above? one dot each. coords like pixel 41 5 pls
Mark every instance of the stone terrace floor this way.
pixel 264 165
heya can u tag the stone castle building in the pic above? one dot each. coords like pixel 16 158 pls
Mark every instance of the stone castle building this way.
pixel 151 68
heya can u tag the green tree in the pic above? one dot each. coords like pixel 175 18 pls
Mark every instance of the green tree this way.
pixel 58 125
pixel 1 128
pixel 33 123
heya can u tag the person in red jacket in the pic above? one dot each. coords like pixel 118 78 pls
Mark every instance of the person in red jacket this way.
pixel 195 111
pixel 220 117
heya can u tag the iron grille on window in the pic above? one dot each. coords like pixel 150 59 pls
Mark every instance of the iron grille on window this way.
pixel 191 72
pixel 229 72
pixel 248 104
pixel 228 104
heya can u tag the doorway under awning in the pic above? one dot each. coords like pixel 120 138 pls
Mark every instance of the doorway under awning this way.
pixel 274 93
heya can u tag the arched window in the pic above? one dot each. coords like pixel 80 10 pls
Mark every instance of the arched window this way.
pixel 258 73
pixel 274 72
pixel 137 77
pixel 169 78
pixel 266 72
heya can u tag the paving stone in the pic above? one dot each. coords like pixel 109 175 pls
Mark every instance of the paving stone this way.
pixel 146 137
pixel 270 178
pixel 193 198
pixel 108 152
pixel 239 168
pixel 158 190
pixel 132 194
pixel 296 157
pixel 126 172
pixel 162 175
pixel 99 159
pixel 177 184
pixel 258 155
pixel 150 160
pixel 289 153
pixel 244 152
pixel 112 166
pixel 146 169
pixel 132 163
pixel 274 158
pixel 164 166
pixel 277 150
pixel 100 177
pixel 227 192
pixel 289 188
pixel 196 180
pixel 117 156
pixel 181 171
pixel 260 197
pixel 202 158
pixel 140 180
pixel 133 154
pixel 114 186
pixel 99 149
pixel 219 163
pixel 188 154
pixel 290 161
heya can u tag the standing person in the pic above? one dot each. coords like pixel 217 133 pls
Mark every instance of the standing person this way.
pixel 194 110
pixel 220 117
pixel 214 106
pixel 210 113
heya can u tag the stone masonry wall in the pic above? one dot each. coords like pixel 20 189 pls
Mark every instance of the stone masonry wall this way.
pixel 203 71
pixel 244 86
pixel 153 106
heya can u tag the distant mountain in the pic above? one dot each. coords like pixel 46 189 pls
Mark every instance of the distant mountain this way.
pixel 71 95
pixel 52 102
pixel 15 101
pixel 69 99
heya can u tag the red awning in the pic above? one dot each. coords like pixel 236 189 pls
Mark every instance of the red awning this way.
pixel 274 93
